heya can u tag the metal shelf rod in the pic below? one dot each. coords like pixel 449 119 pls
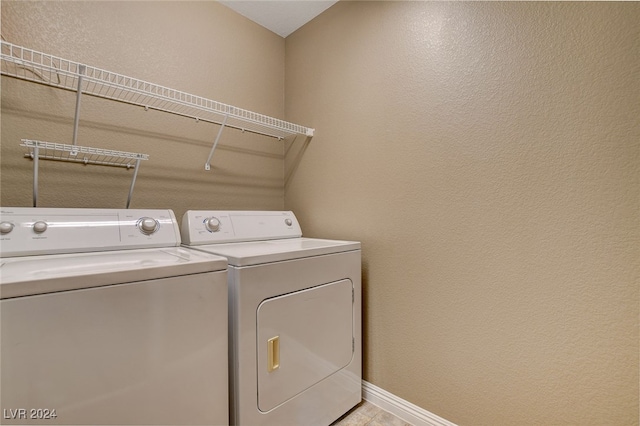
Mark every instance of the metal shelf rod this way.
pixel 207 165
pixel 36 158
pixel 76 119
pixel 133 182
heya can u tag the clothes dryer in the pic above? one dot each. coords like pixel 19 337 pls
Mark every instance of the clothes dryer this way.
pixel 107 320
pixel 294 316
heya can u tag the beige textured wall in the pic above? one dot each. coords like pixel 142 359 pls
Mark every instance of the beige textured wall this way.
pixel 487 155
pixel 201 48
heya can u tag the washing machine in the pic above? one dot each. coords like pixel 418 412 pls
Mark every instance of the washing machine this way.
pixel 105 319
pixel 294 316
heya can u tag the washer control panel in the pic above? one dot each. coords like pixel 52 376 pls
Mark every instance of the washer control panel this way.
pixel 218 226
pixel 28 231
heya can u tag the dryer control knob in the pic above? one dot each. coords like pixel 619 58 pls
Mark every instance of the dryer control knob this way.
pixel 148 225
pixel 40 226
pixel 6 227
pixel 212 224
pixel 288 222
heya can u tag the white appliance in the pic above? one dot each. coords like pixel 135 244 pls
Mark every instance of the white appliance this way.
pixel 107 320
pixel 294 316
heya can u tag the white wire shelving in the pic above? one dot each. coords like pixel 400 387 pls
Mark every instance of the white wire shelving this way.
pixel 27 64
pixel 81 154
pixel 41 150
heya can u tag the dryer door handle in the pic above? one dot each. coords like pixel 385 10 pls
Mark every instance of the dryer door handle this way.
pixel 273 354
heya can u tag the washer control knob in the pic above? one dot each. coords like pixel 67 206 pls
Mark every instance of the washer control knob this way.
pixel 6 227
pixel 148 225
pixel 40 226
pixel 288 222
pixel 212 224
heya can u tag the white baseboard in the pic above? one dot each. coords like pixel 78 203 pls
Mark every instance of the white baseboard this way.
pixel 397 406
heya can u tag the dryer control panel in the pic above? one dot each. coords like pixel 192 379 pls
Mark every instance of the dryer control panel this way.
pixel 26 231
pixel 221 226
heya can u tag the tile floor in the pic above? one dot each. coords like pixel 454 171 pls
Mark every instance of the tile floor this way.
pixel 367 414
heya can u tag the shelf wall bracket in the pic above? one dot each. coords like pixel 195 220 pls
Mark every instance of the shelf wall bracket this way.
pixel 82 69
pixel 36 156
pixel 207 165
pixel 133 182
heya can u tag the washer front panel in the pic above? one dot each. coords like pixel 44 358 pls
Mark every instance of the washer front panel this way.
pixel 145 353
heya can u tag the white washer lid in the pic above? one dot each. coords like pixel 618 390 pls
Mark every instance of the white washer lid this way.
pixel 257 252
pixel 29 275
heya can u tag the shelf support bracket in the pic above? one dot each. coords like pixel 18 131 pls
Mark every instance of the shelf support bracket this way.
pixel 133 182
pixel 36 156
pixel 82 69
pixel 207 165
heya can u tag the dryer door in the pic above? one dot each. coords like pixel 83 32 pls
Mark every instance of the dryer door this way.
pixel 303 337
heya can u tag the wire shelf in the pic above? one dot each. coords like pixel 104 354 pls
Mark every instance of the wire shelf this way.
pixel 27 64
pixel 40 150
pixel 81 154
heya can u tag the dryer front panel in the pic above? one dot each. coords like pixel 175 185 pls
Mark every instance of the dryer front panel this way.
pixel 302 338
